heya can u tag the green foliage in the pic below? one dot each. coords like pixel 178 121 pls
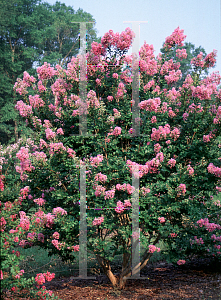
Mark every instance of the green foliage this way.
pixel 32 32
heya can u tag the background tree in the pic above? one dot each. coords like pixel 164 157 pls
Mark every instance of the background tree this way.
pixel 185 64
pixel 32 32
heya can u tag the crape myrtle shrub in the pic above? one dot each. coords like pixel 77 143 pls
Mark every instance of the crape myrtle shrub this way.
pixel 177 154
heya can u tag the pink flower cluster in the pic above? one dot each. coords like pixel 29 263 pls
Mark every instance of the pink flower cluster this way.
pixel 176 38
pixel 56 147
pixel 21 85
pixel 217 119
pixel 110 98
pixel 203 92
pixel 109 194
pixel 39 201
pixel 117 114
pixel 171 163
pixel 49 134
pixel 190 170
pixel 125 187
pixel 214 170
pixel 169 65
pixel 100 177
pixel 98 221
pixel 24 110
pixel 198 61
pixel 60 87
pixel 41 87
pixel 181 189
pixel 216 238
pixel 35 101
pixel 209 226
pixel 160 133
pixel 25 164
pixel 93 101
pixel 121 41
pixel 196 241
pixel 99 190
pixel 149 85
pixel 157 147
pixel 59 210
pixel 145 190
pixel 210 59
pixel 162 219
pixel 97 49
pixel 120 91
pixel 173 95
pixel 94 161
pixel 46 72
pixel 181 53
pixel 153 248
pixel 188 82
pixel 40 278
pixel 150 104
pixel 19 274
pixel 116 131
pixel 173 76
pixel 122 206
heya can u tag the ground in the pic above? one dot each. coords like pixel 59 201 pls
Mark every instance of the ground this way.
pixel 200 279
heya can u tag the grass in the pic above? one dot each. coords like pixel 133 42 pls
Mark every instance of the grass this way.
pixel 37 261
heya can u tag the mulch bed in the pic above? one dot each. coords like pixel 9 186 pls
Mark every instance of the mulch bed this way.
pixel 200 279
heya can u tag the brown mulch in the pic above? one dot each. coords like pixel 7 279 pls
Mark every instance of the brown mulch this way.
pixel 200 279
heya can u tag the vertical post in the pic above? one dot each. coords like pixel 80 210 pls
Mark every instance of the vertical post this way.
pixel 135 223
pixel 83 132
pixel 136 132
pixel 83 226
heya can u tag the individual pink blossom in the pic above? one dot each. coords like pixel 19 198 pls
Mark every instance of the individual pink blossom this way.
pixel 153 119
pixel 181 262
pixel 145 190
pixel 171 162
pixel 127 203
pixel 40 279
pixel 60 131
pixel 157 147
pixel 120 207
pixel 110 98
pixel 19 274
pixel 56 235
pixel 98 221
pixel 190 170
pixel 41 237
pixel 162 219
pixel 181 189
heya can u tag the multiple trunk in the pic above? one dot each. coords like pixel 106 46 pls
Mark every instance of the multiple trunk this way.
pixel 119 281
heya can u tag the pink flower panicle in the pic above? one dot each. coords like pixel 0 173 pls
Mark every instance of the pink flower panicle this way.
pixel 176 38
pixel 153 248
